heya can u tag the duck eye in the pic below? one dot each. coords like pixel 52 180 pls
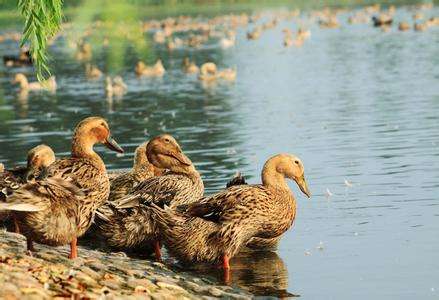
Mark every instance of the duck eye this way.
pixel 296 162
pixel 167 140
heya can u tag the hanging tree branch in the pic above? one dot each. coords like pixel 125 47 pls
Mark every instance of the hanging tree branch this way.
pixel 42 21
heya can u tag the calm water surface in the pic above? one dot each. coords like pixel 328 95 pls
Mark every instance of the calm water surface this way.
pixel 359 106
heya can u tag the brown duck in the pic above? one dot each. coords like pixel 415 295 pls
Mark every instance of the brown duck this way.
pixel 39 159
pixel 60 208
pixel 215 228
pixel 127 224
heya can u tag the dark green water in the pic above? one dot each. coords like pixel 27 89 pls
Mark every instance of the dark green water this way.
pixel 356 104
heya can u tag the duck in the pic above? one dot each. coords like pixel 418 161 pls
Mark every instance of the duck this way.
pixel 228 74
pixel 142 170
pixel 255 33
pixel 329 22
pixel 216 227
pixel 48 85
pixel 382 20
pixel 115 87
pixel 208 72
pixel 39 159
pixel 126 222
pixel 421 26
pixel 23 59
pixel 92 71
pixel 229 40
pixel 189 67
pixel 84 51
pixel 403 26
pixel 157 70
pixel 60 208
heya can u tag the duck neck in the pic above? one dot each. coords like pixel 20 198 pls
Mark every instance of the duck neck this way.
pixel 82 147
pixel 24 83
pixel 272 178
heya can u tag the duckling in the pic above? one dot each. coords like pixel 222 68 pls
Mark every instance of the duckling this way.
pixel 48 85
pixel 58 209
pixel 189 67
pixel 216 227
pixel 23 59
pixel 403 26
pixel 157 70
pixel 92 71
pixel 115 87
pixel 39 159
pixel 127 223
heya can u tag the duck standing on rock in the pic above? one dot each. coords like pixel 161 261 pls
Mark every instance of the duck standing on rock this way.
pixel 127 222
pixel 58 209
pixel 215 228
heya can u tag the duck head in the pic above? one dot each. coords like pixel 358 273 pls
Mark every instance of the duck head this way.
pixel 164 152
pixel 286 166
pixel 39 158
pixel 91 131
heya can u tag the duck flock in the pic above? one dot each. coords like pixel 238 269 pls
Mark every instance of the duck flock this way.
pixel 161 201
pixel 195 33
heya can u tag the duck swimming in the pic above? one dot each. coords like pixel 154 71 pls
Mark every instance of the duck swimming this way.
pixel 92 71
pixel 127 223
pixel 215 228
pixel 58 209
pixel 189 67
pixel 156 70
pixel 48 85
pixel 115 87
pixel 23 59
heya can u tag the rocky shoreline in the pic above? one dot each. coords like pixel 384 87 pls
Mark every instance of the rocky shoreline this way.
pixel 48 274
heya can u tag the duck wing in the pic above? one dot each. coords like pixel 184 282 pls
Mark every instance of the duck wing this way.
pixel 225 204
pixel 160 190
pixel 41 195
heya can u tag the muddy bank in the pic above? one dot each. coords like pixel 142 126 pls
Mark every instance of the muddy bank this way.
pixel 48 274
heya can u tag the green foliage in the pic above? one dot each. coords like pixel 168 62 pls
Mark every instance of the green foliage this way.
pixel 42 21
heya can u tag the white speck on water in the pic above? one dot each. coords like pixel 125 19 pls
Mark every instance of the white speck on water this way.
pixel 432 289
pixel 348 183
pixel 355 233
pixel 145 131
pixel 307 253
pixel 231 151
pixel 320 246
pixel 328 193
pixel 120 154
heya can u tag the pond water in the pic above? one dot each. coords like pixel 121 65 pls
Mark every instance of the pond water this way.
pixel 359 106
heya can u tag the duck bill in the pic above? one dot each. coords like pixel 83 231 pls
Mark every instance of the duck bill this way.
pixel 303 186
pixel 111 144
pixel 182 158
